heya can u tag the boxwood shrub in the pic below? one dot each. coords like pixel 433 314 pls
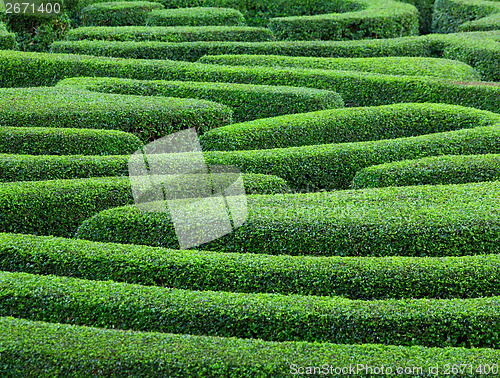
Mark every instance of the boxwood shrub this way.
pixel 356 88
pixel 449 15
pixel 248 101
pixel 70 350
pixel 368 278
pixel 146 117
pixel 57 207
pixel 376 19
pixel 172 34
pixel 7 40
pixel 270 317
pixel 414 221
pixel 454 169
pixel 196 16
pixel 346 125
pixel 409 66
pixel 491 22
pixel 120 13
pixel 61 141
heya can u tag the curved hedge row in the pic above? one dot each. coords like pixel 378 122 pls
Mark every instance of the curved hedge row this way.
pixel 28 346
pixel 431 171
pixel 248 102
pixel 414 221
pixel 376 19
pixel 57 207
pixel 483 24
pixel 171 34
pixel 409 66
pixel 346 125
pixel 146 117
pixel 450 15
pixel 270 317
pixel 356 88
pixel 60 141
pixel 196 16
pixel 351 277
pixel 118 13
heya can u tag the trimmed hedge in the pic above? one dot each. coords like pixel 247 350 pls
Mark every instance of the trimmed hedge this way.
pixel 449 15
pixel 351 277
pixel 376 19
pixel 171 34
pixel 248 102
pixel 7 40
pixel 346 125
pixel 60 141
pixel 270 317
pixel 356 88
pixel 431 171
pixel 409 66
pixel 57 207
pixel 117 13
pixel 58 349
pixel 146 117
pixel 483 24
pixel 196 16
pixel 414 221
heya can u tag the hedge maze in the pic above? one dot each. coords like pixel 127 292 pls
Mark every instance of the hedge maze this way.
pixel 367 133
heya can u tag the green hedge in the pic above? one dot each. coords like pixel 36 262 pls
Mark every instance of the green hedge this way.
pixel 414 221
pixel 248 102
pixel 351 277
pixel 117 13
pixel 377 19
pixel 57 207
pixel 7 40
pixel 449 15
pixel 60 141
pixel 409 66
pixel 346 125
pixel 483 24
pixel 171 34
pixel 147 117
pixel 431 171
pixel 270 317
pixel 196 16
pixel 356 88
pixel 31 347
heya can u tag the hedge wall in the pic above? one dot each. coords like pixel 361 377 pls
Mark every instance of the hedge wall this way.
pixel 7 40
pixel 483 24
pixel 431 171
pixel 351 277
pixel 346 125
pixel 377 19
pixel 248 102
pixel 196 16
pixel 449 15
pixel 414 221
pixel 270 317
pixel 409 66
pixel 28 347
pixel 172 34
pixel 356 88
pixel 146 117
pixel 60 141
pixel 117 13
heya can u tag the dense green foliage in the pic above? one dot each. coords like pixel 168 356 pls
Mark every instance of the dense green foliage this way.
pixel 117 13
pixel 409 66
pixel 29 347
pixel 368 278
pixel 146 117
pixel 346 125
pixel 414 221
pixel 61 141
pixel 248 102
pixel 172 34
pixel 270 317
pixel 454 169
pixel 450 15
pixel 196 16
